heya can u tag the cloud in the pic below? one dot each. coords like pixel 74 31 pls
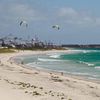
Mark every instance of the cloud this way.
pixel 10 13
pixel 13 12
pixel 26 12
pixel 69 12
pixel 72 16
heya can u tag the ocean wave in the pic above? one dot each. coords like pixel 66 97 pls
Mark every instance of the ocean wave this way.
pixel 97 67
pixel 35 65
pixel 92 78
pixel 95 75
pixel 78 73
pixel 32 63
pixel 89 51
pixel 84 51
pixel 86 63
pixel 54 56
pixel 46 59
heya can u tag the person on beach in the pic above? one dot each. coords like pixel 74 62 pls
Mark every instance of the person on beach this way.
pixel 62 73
pixel 22 62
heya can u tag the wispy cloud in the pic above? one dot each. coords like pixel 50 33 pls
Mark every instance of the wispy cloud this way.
pixel 72 16
pixel 26 12
pixel 69 12
pixel 13 12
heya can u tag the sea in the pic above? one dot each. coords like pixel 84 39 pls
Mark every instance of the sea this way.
pixel 80 62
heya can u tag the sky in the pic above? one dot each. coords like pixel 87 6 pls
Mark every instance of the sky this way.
pixel 79 20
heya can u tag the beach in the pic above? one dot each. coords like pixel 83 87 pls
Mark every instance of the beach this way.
pixel 18 82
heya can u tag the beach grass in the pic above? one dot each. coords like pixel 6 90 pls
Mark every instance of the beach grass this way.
pixel 6 50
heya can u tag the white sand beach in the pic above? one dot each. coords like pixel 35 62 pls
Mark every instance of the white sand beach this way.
pixel 20 83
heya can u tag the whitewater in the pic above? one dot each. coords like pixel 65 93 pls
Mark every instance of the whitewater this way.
pixel 78 62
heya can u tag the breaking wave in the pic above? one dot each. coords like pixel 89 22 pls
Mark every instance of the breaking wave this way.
pixel 46 59
pixel 86 63
pixel 97 67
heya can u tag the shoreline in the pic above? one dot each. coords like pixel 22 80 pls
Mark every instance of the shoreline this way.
pixel 80 77
pixel 72 87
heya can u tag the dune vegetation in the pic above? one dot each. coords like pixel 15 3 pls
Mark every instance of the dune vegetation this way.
pixel 6 50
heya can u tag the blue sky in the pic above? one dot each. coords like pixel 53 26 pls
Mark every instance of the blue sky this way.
pixel 79 20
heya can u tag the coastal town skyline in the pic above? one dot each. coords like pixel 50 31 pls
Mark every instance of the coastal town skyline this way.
pixel 79 21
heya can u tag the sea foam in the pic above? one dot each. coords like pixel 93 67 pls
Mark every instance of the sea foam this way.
pixel 89 64
pixel 97 67
pixel 54 56
pixel 46 59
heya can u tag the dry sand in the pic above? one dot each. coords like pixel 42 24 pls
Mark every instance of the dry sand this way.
pixel 20 83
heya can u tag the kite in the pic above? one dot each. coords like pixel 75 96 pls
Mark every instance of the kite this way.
pixel 56 26
pixel 23 23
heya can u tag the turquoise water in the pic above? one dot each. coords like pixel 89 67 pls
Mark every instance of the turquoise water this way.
pixel 78 62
